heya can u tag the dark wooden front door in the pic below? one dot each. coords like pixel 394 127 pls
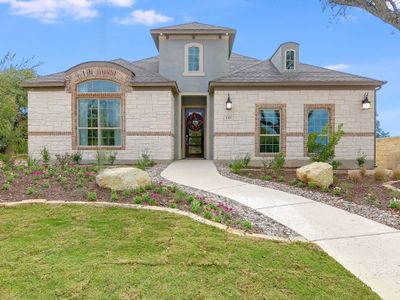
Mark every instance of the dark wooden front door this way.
pixel 194 132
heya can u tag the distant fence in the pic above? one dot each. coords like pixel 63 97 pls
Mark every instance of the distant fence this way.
pixel 388 152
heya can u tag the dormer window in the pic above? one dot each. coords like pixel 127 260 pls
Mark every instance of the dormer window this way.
pixel 289 62
pixel 193 60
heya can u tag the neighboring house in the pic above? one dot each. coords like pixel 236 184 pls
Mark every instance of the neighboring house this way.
pixel 199 99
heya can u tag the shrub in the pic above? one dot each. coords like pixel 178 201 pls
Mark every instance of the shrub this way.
pixel 145 160
pixel 31 190
pixel 174 188
pixel 92 196
pixel 240 163
pixel 77 157
pixel 396 173
pixel 325 189
pixel 217 219
pixel 112 157
pixel 324 153
pixel 379 174
pixel 337 190
pixel 266 177
pixel 207 214
pixel 146 197
pixel 312 185
pixel 114 195
pixel 300 184
pixel 247 225
pixel 127 193
pixel 62 180
pixel 281 179
pixel 355 177
pixel 180 195
pixel 46 185
pixel 394 203
pixel 173 205
pixel 293 181
pixel 139 190
pixel 45 155
pixel 6 186
pixel 361 159
pixel 138 200
pixel 371 198
pixel 196 205
pixel 63 160
pixel 79 182
pixel 278 163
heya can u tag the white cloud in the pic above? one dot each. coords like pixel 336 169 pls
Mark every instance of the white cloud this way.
pixel 52 10
pixel 338 67
pixel 146 17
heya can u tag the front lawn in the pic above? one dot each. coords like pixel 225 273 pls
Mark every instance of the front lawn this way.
pixel 77 252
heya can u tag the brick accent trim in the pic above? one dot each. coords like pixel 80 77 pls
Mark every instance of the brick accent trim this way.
pixel 307 108
pixel 49 133
pixel 150 133
pixel 234 134
pixel 258 108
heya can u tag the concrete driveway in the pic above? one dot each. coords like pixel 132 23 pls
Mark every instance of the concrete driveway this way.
pixel 368 249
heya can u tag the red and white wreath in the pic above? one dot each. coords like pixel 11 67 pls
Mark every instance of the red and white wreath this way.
pixel 195 121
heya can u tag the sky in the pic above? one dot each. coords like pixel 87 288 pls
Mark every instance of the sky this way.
pixel 63 33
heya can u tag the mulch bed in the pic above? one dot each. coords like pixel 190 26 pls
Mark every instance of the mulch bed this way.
pixel 396 184
pixel 367 192
pixel 77 183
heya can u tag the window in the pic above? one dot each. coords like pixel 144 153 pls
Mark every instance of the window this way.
pixel 193 60
pixel 289 60
pixel 99 116
pixel 317 120
pixel 270 130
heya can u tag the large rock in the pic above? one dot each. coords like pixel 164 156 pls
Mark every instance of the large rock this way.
pixel 122 178
pixel 318 172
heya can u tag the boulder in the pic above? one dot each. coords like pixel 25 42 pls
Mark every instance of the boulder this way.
pixel 319 173
pixel 122 178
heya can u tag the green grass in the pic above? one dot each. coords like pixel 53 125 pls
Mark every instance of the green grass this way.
pixel 50 252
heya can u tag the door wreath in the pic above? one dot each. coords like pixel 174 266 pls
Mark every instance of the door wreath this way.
pixel 195 121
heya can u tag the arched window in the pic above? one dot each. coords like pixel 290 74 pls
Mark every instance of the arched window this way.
pixel 99 114
pixel 193 60
pixel 289 60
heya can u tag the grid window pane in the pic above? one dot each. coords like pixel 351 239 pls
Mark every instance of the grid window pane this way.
pixel 290 60
pixel 194 59
pixel 98 86
pixel 270 130
pixel 88 113
pixel 88 137
pixel 317 120
pixel 110 137
pixel 110 113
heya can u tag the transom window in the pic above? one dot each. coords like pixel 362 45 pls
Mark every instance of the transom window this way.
pixel 194 59
pixel 317 120
pixel 98 86
pixel 290 57
pixel 270 131
pixel 99 115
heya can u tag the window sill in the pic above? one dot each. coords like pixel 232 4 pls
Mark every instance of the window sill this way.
pixel 100 148
pixel 194 74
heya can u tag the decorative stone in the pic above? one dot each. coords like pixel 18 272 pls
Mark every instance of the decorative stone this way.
pixel 319 173
pixel 122 178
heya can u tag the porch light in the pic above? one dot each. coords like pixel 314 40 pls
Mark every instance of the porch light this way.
pixel 366 104
pixel 228 103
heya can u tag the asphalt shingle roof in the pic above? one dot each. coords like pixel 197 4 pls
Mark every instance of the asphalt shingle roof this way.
pixel 193 26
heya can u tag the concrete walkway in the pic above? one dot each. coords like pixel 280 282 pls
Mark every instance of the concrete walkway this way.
pixel 370 250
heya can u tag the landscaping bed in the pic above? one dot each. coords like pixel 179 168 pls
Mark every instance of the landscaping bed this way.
pixel 77 183
pixel 81 252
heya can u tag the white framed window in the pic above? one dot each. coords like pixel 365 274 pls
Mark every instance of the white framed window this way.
pixel 194 60
pixel 270 130
pixel 290 56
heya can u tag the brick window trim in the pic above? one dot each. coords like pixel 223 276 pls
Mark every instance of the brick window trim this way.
pixel 307 109
pixel 282 109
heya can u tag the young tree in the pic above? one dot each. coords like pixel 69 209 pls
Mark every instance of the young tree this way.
pixel 387 10
pixel 13 102
pixel 380 133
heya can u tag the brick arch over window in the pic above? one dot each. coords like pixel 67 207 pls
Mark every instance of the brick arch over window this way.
pixel 93 71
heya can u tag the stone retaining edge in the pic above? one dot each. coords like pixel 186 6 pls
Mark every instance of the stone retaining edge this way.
pixel 158 208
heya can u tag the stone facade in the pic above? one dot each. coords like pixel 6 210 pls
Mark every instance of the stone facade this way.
pixel 388 152
pixel 235 130
pixel 149 123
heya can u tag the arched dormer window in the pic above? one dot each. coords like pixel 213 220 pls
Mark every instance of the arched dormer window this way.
pixel 290 57
pixel 194 60
pixel 99 115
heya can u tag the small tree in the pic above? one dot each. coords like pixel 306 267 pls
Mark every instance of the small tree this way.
pixel 322 152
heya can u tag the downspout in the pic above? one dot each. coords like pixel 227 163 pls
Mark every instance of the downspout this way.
pixel 375 111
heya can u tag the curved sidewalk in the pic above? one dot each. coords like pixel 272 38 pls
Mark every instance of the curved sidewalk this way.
pixel 368 249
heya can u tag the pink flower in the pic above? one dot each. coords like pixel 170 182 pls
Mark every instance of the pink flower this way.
pixel 224 207
pixel 153 196
pixel 36 173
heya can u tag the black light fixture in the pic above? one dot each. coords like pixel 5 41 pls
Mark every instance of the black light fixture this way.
pixel 229 103
pixel 366 104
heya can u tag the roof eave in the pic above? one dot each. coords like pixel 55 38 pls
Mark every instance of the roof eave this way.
pixel 28 84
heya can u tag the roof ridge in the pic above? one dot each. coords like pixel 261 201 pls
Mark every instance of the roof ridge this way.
pixel 143 59
pixel 245 68
pixel 147 71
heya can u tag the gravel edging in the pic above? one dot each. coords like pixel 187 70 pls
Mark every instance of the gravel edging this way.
pixel 369 212
pixel 267 225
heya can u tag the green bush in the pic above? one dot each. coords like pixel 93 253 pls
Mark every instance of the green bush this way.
pixel 278 163
pixel 394 203
pixel 240 163
pixel 92 196
pixel 31 190
pixel 320 152
pixel 361 159
pixel 45 155
pixel 126 193
pixel 207 215
pixel 337 191
pixel 145 160
pixel 282 179
pixel 138 200
pixel 266 177
pixel 247 225
pixel 195 207
pixel 312 185
pixel 114 195
pixel 6 186
pixel 77 157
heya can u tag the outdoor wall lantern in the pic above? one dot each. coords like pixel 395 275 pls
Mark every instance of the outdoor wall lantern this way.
pixel 366 104
pixel 229 103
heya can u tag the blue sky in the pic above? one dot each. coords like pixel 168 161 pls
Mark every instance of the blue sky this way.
pixel 63 33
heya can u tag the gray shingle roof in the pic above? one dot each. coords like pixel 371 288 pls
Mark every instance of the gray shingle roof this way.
pixel 193 26
pixel 266 72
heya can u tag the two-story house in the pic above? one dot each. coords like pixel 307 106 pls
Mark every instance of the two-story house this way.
pixel 199 99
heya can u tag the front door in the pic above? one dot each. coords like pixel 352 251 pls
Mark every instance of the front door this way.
pixel 194 132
